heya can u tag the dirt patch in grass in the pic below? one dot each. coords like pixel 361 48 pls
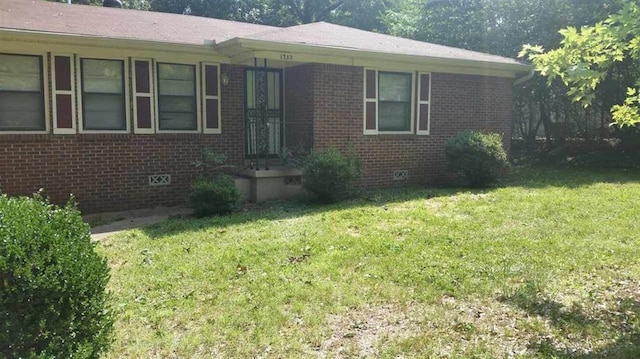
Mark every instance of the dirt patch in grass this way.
pixel 469 327
pixel 362 332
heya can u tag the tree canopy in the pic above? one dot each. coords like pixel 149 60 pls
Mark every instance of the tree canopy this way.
pixel 364 14
pixel 586 57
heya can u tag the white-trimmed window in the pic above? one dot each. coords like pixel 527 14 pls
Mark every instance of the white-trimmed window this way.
pixel 177 98
pixel 22 106
pixel 388 102
pixel 394 101
pixel 104 106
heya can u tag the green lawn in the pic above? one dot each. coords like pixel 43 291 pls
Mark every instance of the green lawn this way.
pixel 546 266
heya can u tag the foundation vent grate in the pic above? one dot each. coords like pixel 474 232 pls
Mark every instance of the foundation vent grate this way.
pixel 159 180
pixel 293 180
pixel 400 175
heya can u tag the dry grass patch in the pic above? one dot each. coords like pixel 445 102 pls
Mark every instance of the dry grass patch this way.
pixel 363 332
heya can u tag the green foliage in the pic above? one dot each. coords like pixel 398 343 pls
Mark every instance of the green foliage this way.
pixel 294 157
pixel 586 56
pixel 501 27
pixel 330 175
pixel 214 196
pixel 52 283
pixel 214 192
pixel 459 23
pixel 356 13
pixel 480 157
pixel 213 162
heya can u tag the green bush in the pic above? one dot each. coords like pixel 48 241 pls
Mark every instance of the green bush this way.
pixel 479 157
pixel 52 283
pixel 329 175
pixel 214 196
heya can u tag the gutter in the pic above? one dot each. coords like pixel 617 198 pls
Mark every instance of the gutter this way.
pixel 524 78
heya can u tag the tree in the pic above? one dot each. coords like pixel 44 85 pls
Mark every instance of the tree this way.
pixel 459 23
pixel 587 57
pixel 501 27
pixel 356 13
pixel 222 9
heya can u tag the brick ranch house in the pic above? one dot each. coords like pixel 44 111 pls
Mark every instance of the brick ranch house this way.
pixel 115 105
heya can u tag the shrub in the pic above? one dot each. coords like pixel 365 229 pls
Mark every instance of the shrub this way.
pixel 629 138
pixel 329 175
pixel 214 196
pixel 52 283
pixel 480 157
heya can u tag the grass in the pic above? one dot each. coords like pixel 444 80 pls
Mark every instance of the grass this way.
pixel 545 266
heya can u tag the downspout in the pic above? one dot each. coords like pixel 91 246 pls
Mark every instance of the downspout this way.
pixel 524 78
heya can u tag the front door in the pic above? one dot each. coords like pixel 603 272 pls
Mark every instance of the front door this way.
pixel 264 125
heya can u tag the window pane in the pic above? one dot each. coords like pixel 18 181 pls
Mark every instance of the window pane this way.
pixel 176 79
pixel 21 93
pixel 177 97
pixel 21 111
pixel 273 91
pixel 104 112
pixel 103 102
pixel 394 116
pixel 20 73
pixel 103 76
pixel 394 101
pixel 176 121
pixel 176 104
pixel 394 87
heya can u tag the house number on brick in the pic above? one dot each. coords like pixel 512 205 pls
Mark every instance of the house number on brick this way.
pixel 286 57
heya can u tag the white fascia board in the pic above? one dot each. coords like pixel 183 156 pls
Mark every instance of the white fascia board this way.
pixel 108 42
pixel 354 55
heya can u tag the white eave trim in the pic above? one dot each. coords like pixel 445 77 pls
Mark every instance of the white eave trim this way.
pixel 107 42
pixel 232 48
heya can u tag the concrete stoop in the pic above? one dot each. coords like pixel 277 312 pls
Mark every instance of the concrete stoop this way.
pixel 265 185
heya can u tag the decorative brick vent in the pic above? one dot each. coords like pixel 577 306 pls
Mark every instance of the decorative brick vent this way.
pixel 293 180
pixel 400 175
pixel 159 180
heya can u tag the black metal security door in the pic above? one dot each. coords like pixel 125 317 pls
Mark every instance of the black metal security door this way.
pixel 264 124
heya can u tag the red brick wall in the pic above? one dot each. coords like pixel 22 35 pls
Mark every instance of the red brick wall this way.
pixel 457 102
pixel 109 172
pixel 299 111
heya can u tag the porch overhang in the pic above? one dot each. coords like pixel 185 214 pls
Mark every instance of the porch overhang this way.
pixel 283 54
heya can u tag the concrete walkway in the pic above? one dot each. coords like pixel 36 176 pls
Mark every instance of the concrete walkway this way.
pixel 121 221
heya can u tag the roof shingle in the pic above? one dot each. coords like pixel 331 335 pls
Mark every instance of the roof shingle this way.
pixel 343 37
pixel 44 16
pixel 101 22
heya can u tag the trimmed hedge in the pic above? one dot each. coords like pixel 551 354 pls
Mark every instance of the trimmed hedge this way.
pixel 214 196
pixel 53 301
pixel 329 175
pixel 478 156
